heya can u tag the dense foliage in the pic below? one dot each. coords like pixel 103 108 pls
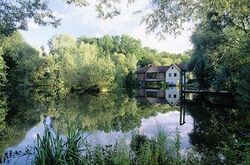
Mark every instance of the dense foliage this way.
pixel 221 57
pixel 2 70
pixel 96 63
pixel 15 15
pixel 220 60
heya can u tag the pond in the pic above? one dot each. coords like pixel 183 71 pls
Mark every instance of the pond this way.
pixel 204 122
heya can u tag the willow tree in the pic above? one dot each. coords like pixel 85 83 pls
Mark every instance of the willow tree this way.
pixel 168 16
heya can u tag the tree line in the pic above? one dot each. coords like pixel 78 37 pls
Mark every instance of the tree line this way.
pixel 220 58
pixel 84 62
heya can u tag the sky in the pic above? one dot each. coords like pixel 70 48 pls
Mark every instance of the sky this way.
pixel 78 21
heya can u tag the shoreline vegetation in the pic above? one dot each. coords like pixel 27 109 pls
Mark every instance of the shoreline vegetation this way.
pixel 76 150
pixel 161 149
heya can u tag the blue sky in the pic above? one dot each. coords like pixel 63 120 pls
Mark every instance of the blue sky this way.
pixel 83 21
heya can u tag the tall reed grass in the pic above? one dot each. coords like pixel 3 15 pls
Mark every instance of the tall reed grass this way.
pixel 54 150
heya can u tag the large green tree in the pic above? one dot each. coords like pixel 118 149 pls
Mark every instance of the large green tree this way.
pixel 15 15
pixel 168 16
pixel 24 64
pixel 79 63
pixel 2 70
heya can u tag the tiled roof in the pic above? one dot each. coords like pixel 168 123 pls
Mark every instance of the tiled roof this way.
pixel 181 66
pixel 163 68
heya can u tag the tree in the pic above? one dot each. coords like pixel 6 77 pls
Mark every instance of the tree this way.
pixel 80 64
pixel 168 16
pixel 60 44
pixel 2 70
pixel 172 16
pixel 99 74
pixel 15 52
pixel 15 15
pixel 206 39
pixel 24 65
pixel 129 45
pixel 64 48
pixel 220 52
pixel 106 45
pixel 124 65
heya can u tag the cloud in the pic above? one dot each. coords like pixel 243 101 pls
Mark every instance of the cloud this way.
pixel 171 44
pixel 32 25
pixel 83 21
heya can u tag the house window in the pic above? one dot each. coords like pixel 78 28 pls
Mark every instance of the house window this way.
pixel 174 96
pixel 169 96
pixel 172 67
pixel 170 75
pixel 175 74
pixel 151 75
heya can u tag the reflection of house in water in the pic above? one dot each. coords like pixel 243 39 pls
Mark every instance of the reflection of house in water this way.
pixel 169 96
pixel 172 95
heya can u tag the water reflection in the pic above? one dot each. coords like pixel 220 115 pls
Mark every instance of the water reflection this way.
pixel 217 121
pixel 169 96
pixel 104 118
pixel 203 121
pixel 220 129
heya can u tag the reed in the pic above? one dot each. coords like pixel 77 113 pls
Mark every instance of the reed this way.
pixel 54 150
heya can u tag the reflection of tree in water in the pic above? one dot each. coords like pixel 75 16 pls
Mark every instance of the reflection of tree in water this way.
pixel 105 112
pixel 24 111
pixel 216 130
pixel 3 112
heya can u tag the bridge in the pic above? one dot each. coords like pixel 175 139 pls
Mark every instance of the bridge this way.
pixel 205 91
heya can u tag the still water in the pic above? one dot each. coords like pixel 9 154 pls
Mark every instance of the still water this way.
pixel 202 121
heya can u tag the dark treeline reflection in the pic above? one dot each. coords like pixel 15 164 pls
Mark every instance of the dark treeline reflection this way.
pixel 221 130
pixel 24 108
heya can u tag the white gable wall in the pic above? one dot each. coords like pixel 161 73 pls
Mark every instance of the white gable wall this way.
pixel 173 75
pixel 172 95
